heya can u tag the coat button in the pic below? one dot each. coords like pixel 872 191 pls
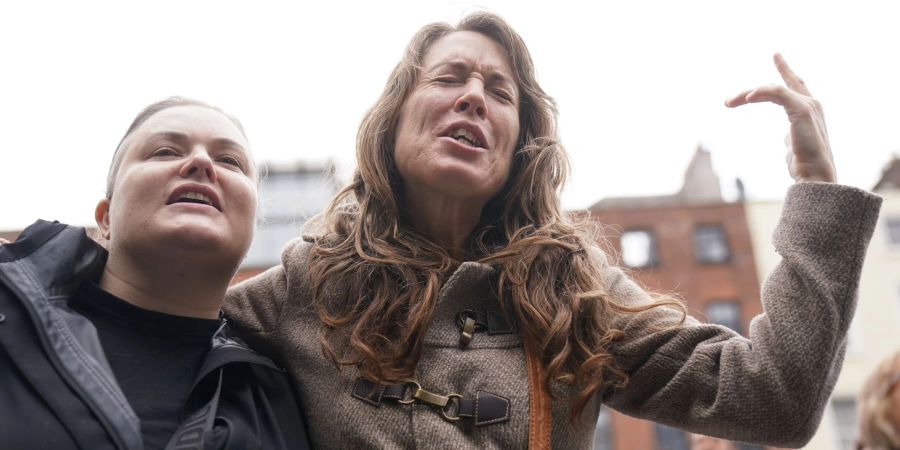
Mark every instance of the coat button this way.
pixel 2 318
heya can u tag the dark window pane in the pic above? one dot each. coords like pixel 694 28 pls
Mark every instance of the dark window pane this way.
pixel 639 248
pixel 668 438
pixel 893 226
pixel 724 313
pixel 710 245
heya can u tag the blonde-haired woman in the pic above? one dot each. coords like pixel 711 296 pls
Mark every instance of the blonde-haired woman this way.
pixel 879 407
pixel 445 300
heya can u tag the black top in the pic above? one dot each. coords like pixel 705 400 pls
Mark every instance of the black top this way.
pixel 154 356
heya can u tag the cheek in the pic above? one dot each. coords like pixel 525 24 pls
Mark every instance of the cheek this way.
pixel 248 199
pixel 507 128
pixel 514 128
pixel 512 139
pixel 129 193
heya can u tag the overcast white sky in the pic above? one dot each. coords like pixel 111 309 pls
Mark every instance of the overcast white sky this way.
pixel 639 84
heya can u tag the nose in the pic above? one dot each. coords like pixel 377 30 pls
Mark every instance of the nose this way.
pixel 472 100
pixel 199 165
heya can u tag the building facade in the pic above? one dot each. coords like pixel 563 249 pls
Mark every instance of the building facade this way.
pixel 696 246
pixel 875 331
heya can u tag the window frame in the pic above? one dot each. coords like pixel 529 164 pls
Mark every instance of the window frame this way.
pixel 653 260
pixel 726 302
pixel 695 247
pixel 888 221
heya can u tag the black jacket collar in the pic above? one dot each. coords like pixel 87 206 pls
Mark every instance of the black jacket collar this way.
pixel 61 257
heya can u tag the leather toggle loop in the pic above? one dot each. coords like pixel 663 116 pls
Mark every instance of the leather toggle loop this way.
pixel 471 321
pixel 468 331
pixel 484 409
pixel 403 400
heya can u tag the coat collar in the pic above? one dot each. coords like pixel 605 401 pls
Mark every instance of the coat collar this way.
pixel 472 287
pixel 59 268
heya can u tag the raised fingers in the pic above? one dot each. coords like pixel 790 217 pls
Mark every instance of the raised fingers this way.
pixel 738 100
pixel 790 78
pixel 772 93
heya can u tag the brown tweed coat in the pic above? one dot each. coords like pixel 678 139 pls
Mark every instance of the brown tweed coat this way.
pixel 770 388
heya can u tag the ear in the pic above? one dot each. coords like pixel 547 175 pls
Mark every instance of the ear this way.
pixel 101 216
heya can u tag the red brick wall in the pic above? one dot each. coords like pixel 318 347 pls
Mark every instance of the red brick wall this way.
pixel 678 273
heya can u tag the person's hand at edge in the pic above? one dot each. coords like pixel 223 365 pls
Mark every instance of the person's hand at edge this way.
pixel 809 156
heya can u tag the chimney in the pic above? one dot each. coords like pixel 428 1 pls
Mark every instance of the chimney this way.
pixel 701 184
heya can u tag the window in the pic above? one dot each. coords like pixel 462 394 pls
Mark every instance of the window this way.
pixel 893 228
pixel 745 446
pixel 724 313
pixel 710 245
pixel 668 438
pixel 603 432
pixel 639 248
pixel 845 419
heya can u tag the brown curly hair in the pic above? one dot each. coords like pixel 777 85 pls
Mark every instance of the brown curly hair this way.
pixel 395 273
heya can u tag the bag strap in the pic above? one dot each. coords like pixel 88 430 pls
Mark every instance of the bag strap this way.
pixel 195 432
pixel 540 415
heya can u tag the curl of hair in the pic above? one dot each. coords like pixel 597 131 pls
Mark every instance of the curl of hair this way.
pixel 394 274
pixel 877 430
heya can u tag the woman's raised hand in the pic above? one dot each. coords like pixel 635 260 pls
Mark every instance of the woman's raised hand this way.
pixel 809 156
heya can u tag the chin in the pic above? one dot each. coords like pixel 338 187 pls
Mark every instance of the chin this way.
pixel 202 236
pixel 463 181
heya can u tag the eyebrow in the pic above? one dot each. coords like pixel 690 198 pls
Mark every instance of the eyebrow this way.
pixel 182 138
pixel 457 65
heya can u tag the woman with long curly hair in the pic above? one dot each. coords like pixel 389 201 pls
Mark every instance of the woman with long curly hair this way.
pixel 445 300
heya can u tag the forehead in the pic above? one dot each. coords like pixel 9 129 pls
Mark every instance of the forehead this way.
pixel 477 50
pixel 196 122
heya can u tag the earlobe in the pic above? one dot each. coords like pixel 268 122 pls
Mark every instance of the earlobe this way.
pixel 101 216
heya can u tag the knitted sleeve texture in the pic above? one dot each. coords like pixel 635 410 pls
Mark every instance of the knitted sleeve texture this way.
pixel 772 387
pixel 254 307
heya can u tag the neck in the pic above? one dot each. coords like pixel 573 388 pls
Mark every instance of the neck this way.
pixel 175 285
pixel 449 221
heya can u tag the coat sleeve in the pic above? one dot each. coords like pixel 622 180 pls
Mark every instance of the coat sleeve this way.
pixel 771 388
pixel 254 306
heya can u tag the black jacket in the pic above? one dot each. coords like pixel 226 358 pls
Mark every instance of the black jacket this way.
pixel 57 391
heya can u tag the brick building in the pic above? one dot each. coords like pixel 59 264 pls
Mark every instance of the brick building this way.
pixel 693 244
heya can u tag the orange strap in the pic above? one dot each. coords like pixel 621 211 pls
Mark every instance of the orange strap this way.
pixel 540 414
